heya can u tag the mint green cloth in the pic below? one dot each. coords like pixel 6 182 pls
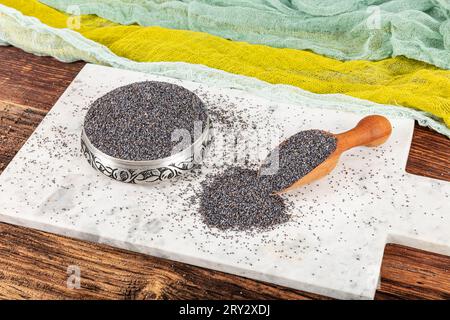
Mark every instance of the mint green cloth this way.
pixel 66 45
pixel 343 29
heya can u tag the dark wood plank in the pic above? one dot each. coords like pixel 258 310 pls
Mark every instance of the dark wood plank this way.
pixel 429 154
pixel 33 81
pixel 33 264
pixel 414 274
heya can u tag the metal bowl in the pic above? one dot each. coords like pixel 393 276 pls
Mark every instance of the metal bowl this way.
pixel 150 171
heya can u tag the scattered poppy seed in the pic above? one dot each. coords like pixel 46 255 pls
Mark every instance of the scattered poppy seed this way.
pixel 136 121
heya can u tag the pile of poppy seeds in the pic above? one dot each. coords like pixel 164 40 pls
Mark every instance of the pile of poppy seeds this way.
pixel 243 199
pixel 238 199
pixel 136 121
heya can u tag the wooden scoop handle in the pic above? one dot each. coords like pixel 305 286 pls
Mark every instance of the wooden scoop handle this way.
pixel 371 131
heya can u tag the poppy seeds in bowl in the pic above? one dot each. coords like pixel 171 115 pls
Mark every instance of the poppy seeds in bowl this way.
pixel 136 121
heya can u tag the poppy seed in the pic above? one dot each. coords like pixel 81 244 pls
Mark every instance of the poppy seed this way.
pixel 136 121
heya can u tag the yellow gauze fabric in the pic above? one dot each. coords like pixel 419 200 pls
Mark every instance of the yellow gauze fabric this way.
pixel 395 81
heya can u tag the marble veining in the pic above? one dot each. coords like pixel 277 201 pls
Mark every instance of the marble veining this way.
pixel 333 243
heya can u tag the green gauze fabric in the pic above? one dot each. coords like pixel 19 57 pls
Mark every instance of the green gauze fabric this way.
pixel 344 29
pixel 32 35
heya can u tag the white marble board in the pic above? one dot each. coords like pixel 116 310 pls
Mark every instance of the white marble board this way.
pixel 333 244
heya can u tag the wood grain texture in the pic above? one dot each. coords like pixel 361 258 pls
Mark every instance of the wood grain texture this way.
pixel 429 154
pixel 413 274
pixel 33 81
pixel 33 264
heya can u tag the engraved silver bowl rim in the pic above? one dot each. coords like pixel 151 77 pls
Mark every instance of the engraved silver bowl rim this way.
pixel 149 164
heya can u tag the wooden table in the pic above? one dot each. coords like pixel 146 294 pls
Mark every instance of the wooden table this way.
pixel 33 264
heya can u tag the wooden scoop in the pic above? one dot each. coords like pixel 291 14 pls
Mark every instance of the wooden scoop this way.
pixel 371 131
